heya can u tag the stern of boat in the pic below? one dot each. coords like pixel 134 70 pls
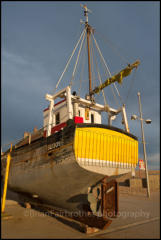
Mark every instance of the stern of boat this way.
pixel 108 151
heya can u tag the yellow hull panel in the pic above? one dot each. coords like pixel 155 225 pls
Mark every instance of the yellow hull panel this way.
pixel 101 145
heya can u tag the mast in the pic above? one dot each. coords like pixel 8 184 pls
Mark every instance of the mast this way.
pixel 89 61
pixel 88 29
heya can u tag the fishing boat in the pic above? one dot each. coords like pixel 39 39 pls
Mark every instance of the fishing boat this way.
pixel 72 162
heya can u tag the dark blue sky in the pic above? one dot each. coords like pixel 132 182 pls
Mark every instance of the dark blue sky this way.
pixel 37 40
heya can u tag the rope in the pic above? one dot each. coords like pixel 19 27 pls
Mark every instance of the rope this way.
pixel 108 71
pixel 131 85
pixel 113 47
pixel 99 77
pixel 77 59
pixel 101 55
pixel 122 57
pixel 69 61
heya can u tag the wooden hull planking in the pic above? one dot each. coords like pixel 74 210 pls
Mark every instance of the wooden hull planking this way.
pixel 60 169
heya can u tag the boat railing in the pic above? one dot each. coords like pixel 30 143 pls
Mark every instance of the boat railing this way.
pixel 26 139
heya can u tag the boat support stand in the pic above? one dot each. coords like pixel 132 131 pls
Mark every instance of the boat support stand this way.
pixel 88 223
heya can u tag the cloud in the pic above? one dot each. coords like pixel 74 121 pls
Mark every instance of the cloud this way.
pixel 24 85
pixel 13 58
pixel 154 158
pixel 153 161
pixel 22 74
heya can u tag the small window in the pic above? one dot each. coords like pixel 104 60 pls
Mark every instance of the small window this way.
pixel 79 113
pixel 57 118
pixel 86 113
pixel 92 118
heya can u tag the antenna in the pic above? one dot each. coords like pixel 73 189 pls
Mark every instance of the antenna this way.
pixel 86 10
pixel 84 6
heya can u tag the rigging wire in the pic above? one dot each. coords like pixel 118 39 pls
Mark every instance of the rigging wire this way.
pixel 77 59
pixel 108 72
pixel 125 60
pixel 101 55
pixel 131 85
pixel 99 76
pixel 113 47
pixel 103 60
pixel 69 61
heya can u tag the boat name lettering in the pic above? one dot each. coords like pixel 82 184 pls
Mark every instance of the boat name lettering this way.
pixel 54 145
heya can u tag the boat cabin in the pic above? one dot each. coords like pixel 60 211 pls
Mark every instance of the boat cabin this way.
pixel 69 107
pixel 74 107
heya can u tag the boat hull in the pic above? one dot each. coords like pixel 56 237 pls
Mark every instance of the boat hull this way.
pixel 50 169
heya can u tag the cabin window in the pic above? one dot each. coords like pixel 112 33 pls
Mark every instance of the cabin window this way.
pixel 92 118
pixel 57 118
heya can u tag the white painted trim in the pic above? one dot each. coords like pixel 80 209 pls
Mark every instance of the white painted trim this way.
pixel 49 96
pixel 104 163
pixel 95 106
pixel 69 103
pixel 50 117
pixel 125 118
